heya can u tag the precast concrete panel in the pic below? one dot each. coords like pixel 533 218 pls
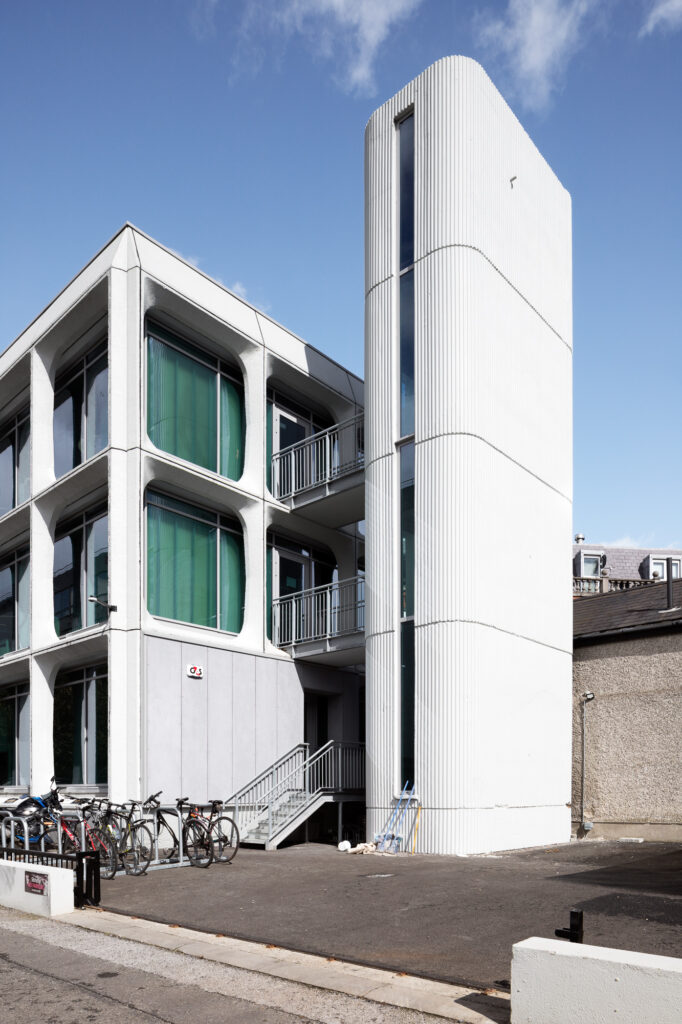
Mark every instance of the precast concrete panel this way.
pixel 266 712
pixel 244 710
pixel 492 609
pixel 195 713
pixel 220 719
pixel 163 707
pixel 489 366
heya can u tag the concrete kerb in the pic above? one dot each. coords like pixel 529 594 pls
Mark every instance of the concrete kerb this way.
pixel 371 983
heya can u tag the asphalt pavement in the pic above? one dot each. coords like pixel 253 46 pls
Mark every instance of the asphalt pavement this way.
pixel 453 919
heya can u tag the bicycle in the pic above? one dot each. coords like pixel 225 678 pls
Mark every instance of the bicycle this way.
pixel 223 830
pixel 196 840
pixel 132 839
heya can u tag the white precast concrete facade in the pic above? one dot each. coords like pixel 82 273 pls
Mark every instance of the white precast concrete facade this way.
pixel 203 737
pixel 491 341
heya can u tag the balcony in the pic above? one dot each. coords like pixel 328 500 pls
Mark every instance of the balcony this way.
pixel 322 477
pixel 587 586
pixel 324 625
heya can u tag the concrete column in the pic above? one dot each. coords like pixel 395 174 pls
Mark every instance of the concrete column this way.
pixel 253 630
pixel 43 673
pixel 42 404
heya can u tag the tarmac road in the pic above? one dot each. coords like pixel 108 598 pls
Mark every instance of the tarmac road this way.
pixel 448 918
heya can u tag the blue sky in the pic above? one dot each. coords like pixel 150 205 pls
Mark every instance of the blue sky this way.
pixel 233 133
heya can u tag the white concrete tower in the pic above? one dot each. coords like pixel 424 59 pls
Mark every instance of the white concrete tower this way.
pixel 468 488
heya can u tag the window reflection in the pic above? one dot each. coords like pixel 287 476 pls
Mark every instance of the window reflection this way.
pixel 81 414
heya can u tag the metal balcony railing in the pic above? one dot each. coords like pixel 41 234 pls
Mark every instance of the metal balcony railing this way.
pixel 321 613
pixel 319 459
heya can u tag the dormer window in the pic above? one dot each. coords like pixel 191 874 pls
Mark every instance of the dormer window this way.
pixel 658 568
pixel 590 563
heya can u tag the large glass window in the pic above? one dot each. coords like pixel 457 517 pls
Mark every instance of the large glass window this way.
pixel 81 727
pixel 195 564
pixel 195 405
pixel 14 735
pixel 14 603
pixel 81 412
pixel 81 571
pixel 14 463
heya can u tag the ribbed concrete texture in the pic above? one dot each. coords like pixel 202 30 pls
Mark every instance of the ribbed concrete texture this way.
pixel 493 464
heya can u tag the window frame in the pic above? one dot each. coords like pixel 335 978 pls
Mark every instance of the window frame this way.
pixel 12 561
pixel 10 428
pixel 15 692
pixel 599 555
pixel 221 522
pixel 80 368
pixel 219 366
pixel 656 560
pixel 83 677
pixel 82 523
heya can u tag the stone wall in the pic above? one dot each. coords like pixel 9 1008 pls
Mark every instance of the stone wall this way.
pixel 633 749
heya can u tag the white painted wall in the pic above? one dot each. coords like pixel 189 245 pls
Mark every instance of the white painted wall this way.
pixel 555 982
pixel 493 470
pixel 57 897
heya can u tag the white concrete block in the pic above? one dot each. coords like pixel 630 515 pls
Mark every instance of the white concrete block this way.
pixel 556 982
pixel 36 889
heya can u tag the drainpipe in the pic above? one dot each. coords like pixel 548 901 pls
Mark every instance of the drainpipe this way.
pixel 585 825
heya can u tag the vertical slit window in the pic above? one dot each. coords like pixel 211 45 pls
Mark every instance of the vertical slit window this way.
pixel 195 405
pixel 407 702
pixel 406 190
pixel 407 530
pixel 81 412
pixel 14 463
pixel 407 353
pixel 14 603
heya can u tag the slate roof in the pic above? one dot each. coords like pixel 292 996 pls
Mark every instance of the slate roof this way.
pixel 627 611
pixel 623 563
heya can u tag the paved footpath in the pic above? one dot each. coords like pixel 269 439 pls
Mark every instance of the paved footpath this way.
pixel 453 919
pixel 92 965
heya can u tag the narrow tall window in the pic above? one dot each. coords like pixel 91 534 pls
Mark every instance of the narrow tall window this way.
pixel 81 412
pixel 81 571
pixel 407 612
pixel 195 405
pixel 14 603
pixel 14 735
pixel 81 727
pixel 406 269
pixel 195 564
pixel 14 463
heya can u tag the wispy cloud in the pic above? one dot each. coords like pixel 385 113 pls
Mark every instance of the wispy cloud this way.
pixel 646 542
pixel 202 18
pixel 349 32
pixel 238 288
pixel 535 40
pixel 663 16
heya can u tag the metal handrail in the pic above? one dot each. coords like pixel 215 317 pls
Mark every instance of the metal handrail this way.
pixel 320 458
pixel 334 609
pixel 251 795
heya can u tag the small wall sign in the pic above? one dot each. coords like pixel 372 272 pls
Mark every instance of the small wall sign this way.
pixel 36 882
pixel 195 671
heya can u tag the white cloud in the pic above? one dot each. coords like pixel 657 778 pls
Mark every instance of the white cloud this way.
pixel 638 542
pixel 202 18
pixel 239 289
pixel 535 40
pixel 351 29
pixel 665 15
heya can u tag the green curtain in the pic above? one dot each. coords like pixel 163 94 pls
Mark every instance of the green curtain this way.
pixel 232 428
pixel 181 567
pixel 181 405
pixel 268 590
pixel 232 581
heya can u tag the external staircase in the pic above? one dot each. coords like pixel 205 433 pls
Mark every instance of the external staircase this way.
pixel 289 791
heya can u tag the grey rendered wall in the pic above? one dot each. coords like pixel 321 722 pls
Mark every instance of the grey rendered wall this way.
pixel 633 751
pixel 207 737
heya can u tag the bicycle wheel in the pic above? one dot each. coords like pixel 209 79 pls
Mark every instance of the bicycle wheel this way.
pixel 198 844
pixel 138 851
pixel 225 836
pixel 108 854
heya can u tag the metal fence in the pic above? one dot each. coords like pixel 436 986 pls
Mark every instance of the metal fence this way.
pixel 318 459
pixel 336 609
pixel 86 891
